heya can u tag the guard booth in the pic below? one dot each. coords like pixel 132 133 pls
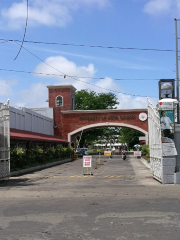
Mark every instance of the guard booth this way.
pixel 4 142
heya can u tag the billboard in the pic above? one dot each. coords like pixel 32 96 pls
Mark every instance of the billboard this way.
pixel 166 114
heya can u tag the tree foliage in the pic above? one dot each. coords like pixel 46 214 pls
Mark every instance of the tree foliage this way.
pixel 130 136
pixel 145 150
pixel 109 135
pixel 89 137
pixel 101 136
pixel 90 100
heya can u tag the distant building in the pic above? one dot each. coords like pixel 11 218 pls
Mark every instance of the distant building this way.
pixel 30 128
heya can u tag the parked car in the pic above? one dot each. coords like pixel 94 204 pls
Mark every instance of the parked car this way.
pixel 80 152
pixel 86 152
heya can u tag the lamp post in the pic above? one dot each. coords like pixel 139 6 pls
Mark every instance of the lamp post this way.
pixel 177 69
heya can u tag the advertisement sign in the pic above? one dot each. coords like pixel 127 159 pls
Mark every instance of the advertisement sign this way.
pixel 169 149
pixel 167 124
pixel 137 153
pixel 165 105
pixel 107 153
pixel 166 114
pixel 87 160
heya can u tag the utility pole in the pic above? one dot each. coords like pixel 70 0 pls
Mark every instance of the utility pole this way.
pixel 177 69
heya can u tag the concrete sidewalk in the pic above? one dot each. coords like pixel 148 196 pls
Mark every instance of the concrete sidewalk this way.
pixel 145 162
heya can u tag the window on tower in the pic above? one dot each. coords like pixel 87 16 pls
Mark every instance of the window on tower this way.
pixel 59 101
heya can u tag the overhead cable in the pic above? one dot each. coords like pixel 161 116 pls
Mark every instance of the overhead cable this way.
pixel 94 78
pixel 91 46
pixel 24 34
pixel 79 79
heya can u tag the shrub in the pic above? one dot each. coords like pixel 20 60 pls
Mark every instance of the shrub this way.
pixel 145 150
pixel 18 159
pixel 37 156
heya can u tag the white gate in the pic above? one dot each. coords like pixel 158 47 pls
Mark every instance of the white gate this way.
pixel 4 142
pixel 155 144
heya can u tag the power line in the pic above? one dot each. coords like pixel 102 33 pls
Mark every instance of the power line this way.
pixel 65 75
pixel 62 75
pixel 91 46
pixel 24 33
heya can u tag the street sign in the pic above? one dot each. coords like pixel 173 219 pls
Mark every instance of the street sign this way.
pixel 137 153
pixel 107 153
pixel 87 161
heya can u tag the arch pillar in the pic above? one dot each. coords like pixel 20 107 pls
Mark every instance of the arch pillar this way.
pixel 72 141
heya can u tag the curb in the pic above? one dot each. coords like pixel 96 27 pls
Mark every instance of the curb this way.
pixel 32 169
pixel 145 162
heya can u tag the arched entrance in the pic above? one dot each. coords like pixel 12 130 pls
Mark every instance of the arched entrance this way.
pixel 107 124
pixel 70 122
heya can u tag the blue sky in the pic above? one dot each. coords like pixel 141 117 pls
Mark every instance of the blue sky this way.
pixel 143 24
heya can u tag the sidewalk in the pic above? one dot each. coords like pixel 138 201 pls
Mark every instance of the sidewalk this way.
pixel 145 162
pixel 40 167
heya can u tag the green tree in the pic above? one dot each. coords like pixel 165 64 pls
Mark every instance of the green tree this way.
pixel 130 136
pixel 89 137
pixel 90 100
pixel 100 135
pixel 109 135
pixel 145 150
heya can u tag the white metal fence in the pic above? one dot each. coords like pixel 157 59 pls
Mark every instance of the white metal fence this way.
pixel 4 142
pixel 155 145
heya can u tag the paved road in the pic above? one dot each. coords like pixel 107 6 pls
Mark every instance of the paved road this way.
pixel 119 202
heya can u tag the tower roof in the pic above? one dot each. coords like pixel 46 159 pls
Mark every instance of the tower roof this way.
pixel 61 86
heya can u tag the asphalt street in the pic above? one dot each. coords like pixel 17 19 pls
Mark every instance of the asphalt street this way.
pixel 120 201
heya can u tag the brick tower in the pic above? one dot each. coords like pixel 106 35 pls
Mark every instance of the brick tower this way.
pixel 61 98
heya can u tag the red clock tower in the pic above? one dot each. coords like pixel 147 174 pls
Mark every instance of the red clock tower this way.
pixel 61 98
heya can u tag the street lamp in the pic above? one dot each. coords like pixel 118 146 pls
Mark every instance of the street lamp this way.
pixel 166 88
pixel 177 67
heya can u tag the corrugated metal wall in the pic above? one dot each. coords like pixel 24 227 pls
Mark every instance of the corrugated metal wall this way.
pixel 28 120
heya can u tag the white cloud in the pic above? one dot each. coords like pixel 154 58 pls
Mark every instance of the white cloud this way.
pixel 155 7
pixel 68 68
pixel 47 12
pixel 104 85
pixel 37 93
pixel 133 62
pixel 6 90
pixel 6 87
pixel 99 3
pixel 129 102
pixel 81 76
pixel 35 96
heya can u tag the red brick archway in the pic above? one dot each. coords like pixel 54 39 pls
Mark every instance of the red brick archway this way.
pixel 74 122
pixel 71 122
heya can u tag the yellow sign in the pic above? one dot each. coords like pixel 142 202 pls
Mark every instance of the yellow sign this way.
pixel 107 153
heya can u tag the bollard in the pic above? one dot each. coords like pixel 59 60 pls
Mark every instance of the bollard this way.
pixel 96 163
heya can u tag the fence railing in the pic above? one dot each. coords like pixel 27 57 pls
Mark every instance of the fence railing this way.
pixel 155 145
pixel 4 142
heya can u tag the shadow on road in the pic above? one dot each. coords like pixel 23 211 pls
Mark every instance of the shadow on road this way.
pixel 16 182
